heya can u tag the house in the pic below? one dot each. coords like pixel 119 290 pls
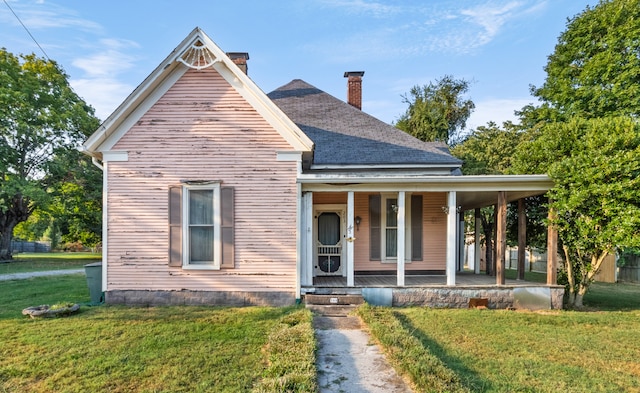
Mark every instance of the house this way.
pixel 217 193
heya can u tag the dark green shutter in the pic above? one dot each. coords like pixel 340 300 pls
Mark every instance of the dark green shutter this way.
pixel 227 227
pixel 175 226
pixel 416 227
pixel 374 227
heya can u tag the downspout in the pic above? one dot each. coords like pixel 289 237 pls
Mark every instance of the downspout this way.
pixel 95 162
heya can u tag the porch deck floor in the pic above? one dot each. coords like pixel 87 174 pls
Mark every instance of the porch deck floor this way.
pixel 463 279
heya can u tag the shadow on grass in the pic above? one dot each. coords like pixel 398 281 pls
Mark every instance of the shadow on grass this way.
pixel 469 378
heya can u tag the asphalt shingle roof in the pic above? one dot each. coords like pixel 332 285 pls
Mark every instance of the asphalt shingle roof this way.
pixel 344 135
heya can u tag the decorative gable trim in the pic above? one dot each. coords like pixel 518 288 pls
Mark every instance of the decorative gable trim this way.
pixel 196 51
pixel 198 56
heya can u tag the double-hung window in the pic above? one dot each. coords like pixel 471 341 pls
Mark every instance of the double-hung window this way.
pixel 201 228
pixel 201 225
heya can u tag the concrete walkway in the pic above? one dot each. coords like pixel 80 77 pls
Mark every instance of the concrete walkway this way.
pixel 349 362
pixel 23 276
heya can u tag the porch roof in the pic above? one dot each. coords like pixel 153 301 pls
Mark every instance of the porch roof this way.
pixel 471 191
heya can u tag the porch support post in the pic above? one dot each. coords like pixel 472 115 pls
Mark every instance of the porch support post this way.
pixel 401 238
pixel 522 237
pixel 307 252
pixel 452 223
pixel 461 242
pixel 476 244
pixel 501 236
pixel 299 240
pixel 552 251
pixel 350 240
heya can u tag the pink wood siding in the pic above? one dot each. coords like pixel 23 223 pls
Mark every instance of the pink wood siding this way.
pixel 434 235
pixel 202 129
pixel 330 198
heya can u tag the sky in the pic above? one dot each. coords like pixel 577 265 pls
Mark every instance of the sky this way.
pixel 108 47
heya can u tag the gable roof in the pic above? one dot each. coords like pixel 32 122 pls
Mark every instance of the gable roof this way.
pixel 196 51
pixel 345 136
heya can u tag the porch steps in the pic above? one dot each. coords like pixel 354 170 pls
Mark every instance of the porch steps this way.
pixel 333 305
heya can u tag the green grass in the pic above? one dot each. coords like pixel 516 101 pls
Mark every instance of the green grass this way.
pixel 159 349
pixel 508 351
pixel 33 262
pixel 528 276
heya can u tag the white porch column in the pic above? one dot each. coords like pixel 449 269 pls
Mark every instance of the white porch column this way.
pixel 476 243
pixel 306 230
pixel 350 240
pixel 452 224
pixel 401 237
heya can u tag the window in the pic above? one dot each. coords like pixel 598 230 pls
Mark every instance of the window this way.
pixel 391 228
pixel 201 226
pixel 383 218
pixel 201 206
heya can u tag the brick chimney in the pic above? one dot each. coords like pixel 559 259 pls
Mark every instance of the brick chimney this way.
pixel 354 88
pixel 240 58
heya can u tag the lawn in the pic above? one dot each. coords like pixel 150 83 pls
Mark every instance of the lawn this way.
pixel 33 262
pixel 158 349
pixel 507 351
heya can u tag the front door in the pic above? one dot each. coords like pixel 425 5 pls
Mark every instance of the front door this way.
pixel 329 228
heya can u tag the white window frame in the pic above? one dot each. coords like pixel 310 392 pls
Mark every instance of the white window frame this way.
pixel 383 228
pixel 217 230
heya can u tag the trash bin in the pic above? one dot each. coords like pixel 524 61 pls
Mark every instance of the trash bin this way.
pixel 93 272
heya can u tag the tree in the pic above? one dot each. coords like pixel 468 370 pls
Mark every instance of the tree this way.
pixel 489 150
pixel 41 118
pixel 595 165
pixel 437 112
pixel 595 68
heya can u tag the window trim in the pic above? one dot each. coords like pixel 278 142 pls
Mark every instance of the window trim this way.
pixel 217 227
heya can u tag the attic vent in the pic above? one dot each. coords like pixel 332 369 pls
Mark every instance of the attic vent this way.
pixel 198 56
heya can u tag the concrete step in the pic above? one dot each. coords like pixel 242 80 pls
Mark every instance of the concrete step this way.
pixel 328 310
pixel 333 299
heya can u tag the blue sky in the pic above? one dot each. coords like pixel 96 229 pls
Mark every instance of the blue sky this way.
pixel 107 47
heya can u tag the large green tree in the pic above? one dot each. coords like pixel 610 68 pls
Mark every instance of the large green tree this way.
pixel 579 132
pixel 437 112
pixel 594 70
pixel 41 118
pixel 595 165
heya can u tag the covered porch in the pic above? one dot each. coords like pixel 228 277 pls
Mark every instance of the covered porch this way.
pixel 454 195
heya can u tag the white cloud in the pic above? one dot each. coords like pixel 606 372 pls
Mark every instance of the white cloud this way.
pixel 416 30
pixel 109 60
pixel 374 8
pixel 100 84
pixel 103 94
pixel 496 110
pixel 43 15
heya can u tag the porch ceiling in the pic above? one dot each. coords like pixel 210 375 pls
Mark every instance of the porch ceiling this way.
pixel 469 200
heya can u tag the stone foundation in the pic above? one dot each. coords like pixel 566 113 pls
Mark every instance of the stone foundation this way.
pixel 498 298
pixel 199 298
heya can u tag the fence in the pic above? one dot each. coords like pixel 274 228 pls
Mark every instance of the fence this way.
pixel 20 246
pixel 536 261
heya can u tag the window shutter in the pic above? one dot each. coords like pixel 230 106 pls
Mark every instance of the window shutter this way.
pixel 175 226
pixel 416 227
pixel 227 227
pixel 374 227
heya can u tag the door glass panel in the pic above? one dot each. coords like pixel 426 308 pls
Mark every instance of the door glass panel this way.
pixel 329 228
